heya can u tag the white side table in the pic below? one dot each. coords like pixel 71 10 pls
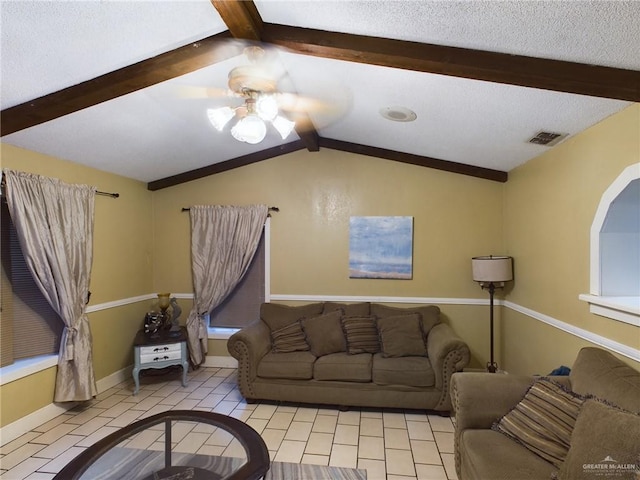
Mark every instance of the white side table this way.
pixel 163 351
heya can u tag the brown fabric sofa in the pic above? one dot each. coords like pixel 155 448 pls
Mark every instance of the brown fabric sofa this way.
pixel 602 443
pixel 360 354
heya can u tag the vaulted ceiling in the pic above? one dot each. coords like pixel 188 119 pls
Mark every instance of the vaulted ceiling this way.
pixel 102 83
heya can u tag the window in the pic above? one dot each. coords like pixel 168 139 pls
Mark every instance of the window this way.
pixel 615 251
pixel 29 326
pixel 242 306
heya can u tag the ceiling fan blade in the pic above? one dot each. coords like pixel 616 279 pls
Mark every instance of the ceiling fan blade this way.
pixel 197 92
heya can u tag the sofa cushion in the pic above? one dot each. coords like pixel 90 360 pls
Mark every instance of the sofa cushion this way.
pixel 288 339
pixel 343 367
pixel 348 309
pixel 361 333
pixel 411 371
pixel 543 420
pixel 430 314
pixel 294 366
pixel 324 333
pixel 277 316
pixel 485 454
pixel 599 373
pixel 605 440
pixel 401 336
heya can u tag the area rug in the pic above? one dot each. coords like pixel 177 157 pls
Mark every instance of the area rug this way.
pixel 135 464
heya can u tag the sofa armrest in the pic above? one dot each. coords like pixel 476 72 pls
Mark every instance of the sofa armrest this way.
pixel 248 346
pixel 448 353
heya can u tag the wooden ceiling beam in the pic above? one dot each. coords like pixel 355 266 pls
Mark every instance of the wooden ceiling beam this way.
pixel 241 17
pixel 555 75
pixel 146 73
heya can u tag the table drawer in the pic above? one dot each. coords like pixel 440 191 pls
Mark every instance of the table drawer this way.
pixel 157 349
pixel 160 357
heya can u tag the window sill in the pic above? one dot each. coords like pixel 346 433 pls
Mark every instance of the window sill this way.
pixel 25 367
pixel 623 309
pixel 219 333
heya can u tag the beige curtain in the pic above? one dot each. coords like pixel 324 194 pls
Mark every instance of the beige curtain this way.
pixel 223 242
pixel 54 223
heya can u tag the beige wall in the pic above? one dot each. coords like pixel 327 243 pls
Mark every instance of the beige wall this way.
pixel 122 268
pixel 549 205
pixel 316 194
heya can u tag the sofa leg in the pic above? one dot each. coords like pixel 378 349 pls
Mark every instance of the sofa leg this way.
pixel 344 408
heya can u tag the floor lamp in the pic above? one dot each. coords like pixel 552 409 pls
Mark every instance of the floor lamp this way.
pixel 491 272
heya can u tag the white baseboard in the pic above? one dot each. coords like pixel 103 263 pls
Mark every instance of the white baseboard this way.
pixel 27 423
pixel 220 361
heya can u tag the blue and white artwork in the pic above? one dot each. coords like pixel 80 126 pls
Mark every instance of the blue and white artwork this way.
pixel 381 247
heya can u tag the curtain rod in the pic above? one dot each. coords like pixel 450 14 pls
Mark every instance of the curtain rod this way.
pixel 3 184
pixel 271 209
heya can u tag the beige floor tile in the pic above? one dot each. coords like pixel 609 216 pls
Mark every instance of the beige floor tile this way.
pixel 400 477
pixel 304 414
pixel 444 441
pixel 117 409
pixel 212 382
pixel 419 430
pixel 258 424
pixel 397 438
pixel 376 469
pixel 155 410
pixel 399 462
pixel 346 434
pixel 58 447
pixel 211 400
pixel 441 424
pixel 394 420
pixel 85 416
pixel 299 431
pixel 200 393
pixel 204 428
pixel 290 451
pixel 211 450
pixel 220 438
pixel 415 416
pixel 449 463
pixel 273 438
pixel 365 413
pixel 319 443
pixel 165 391
pixel 18 442
pixel 41 476
pixel 110 401
pixel 280 420
pixel 325 410
pixel 92 425
pixel 325 424
pixel 315 459
pixel 430 472
pixel 344 456
pixel 235 449
pixel 19 455
pixel 264 411
pixel 57 464
pixel 24 468
pixel 191 443
pixel 234 396
pixel 425 451
pixel 286 409
pixel 186 404
pixel 95 436
pixel 53 422
pixel 352 417
pixel 224 407
pixel 144 439
pixel 371 448
pixel 55 433
pixel 224 388
pixel 146 403
pixel 242 415
pixel 371 427
pixel 174 398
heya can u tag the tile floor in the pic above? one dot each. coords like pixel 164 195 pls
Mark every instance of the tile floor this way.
pixel 390 445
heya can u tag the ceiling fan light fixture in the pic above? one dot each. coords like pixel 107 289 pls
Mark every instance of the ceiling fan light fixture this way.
pixel 251 129
pixel 283 126
pixel 219 117
pixel 267 107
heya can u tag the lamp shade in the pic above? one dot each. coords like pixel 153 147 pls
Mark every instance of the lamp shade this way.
pixel 492 269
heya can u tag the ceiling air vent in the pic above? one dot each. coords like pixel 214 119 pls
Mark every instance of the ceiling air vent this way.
pixel 548 139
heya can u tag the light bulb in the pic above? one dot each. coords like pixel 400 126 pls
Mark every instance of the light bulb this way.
pixel 267 107
pixel 251 129
pixel 219 117
pixel 283 126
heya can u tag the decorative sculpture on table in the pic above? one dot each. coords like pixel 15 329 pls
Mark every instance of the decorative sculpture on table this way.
pixel 153 324
pixel 166 319
pixel 174 331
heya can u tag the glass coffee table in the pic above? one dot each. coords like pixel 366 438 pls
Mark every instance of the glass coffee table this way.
pixel 174 445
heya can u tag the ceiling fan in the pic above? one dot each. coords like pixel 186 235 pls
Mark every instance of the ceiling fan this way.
pixel 269 99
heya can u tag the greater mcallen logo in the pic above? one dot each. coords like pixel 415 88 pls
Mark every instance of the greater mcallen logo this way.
pixel 610 467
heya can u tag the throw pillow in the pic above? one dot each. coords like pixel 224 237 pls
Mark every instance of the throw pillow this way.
pixel 349 309
pixel 543 421
pixel 430 314
pixel 277 316
pixel 324 333
pixel 604 444
pixel 362 334
pixel 288 339
pixel 401 336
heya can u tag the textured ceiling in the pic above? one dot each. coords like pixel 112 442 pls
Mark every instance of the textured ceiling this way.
pixel 156 132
